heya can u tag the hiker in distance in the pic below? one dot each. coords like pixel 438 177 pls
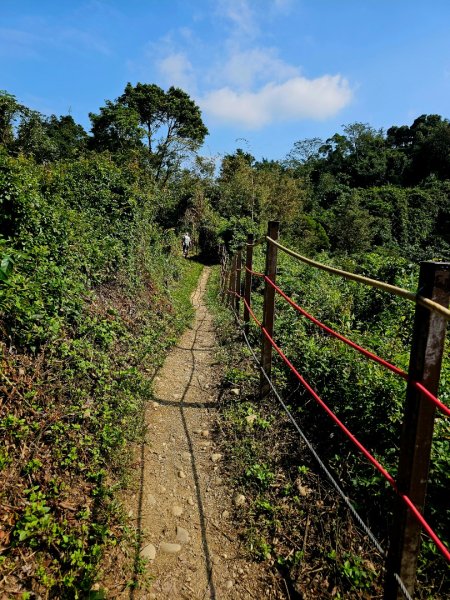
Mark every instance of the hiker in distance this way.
pixel 186 244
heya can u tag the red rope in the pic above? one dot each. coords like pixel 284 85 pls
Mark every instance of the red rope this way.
pixel 234 293
pixel 330 413
pixel 254 272
pixel 443 549
pixel 442 407
pixel 440 545
pixel 249 308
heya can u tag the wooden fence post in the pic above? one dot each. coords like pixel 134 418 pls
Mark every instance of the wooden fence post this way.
pixel 248 280
pixel 238 282
pixel 417 431
pixel 232 283
pixel 223 271
pixel 269 306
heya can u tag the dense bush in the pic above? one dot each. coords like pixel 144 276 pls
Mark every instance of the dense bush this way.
pixel 86 312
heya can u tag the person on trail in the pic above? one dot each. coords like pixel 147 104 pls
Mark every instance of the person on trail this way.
pixel 186 243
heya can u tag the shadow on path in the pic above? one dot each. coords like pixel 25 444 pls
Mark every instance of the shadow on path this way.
pixel 182 404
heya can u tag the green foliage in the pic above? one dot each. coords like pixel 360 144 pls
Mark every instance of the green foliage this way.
pixel 6 267
pixel 360 574
pixel 10 110
pixel 371 189
pixel 260 475
pixel 170 122
pixel 366 397
pixel 92 295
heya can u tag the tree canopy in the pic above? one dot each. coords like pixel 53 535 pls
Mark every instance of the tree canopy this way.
pixel 167 124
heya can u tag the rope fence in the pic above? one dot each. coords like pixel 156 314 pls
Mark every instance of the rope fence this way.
pixel 376 544
pixel 381 285
pixel 422 379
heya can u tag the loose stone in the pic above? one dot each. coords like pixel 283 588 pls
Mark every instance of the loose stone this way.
pixel 151 500
pixel 229 584
pixel 149 552
pixel 170 548
pixel 182 535
pixel 239 500
pixel 177 511
pixel 216 457
pixel 181 474
pixel 205 433
pixel 236 391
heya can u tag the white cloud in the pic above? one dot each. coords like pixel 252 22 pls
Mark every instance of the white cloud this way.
pixel 297 98
pixel 244 69
pixel 241 16
pixel 241 81
pixel 177 70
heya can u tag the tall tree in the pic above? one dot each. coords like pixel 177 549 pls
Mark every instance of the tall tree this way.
pixel 32 138
pixel 426 146
pixel 168 124
pixel 68 138
pixel 10 109
pixel 116 128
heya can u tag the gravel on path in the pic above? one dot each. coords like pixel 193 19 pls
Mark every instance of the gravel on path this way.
pixel 184 506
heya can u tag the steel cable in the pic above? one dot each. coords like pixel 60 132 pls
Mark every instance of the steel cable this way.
pixel 419 517
pixel 322 465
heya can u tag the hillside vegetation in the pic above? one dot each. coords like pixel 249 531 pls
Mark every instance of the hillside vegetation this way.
pixel 93 291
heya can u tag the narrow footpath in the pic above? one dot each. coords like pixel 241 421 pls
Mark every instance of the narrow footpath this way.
pixel 185 507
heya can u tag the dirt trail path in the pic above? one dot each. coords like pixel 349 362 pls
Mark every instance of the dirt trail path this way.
pixel 184 505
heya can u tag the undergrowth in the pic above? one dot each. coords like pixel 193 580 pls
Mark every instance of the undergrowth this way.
pixel 91 297
pixel 292 517
pixel 69 418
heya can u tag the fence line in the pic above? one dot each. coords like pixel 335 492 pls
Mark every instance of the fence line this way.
pixel 381 285
pixel 423 378
pixel 320 462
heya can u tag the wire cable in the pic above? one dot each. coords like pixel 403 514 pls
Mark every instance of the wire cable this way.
pixel 417 514
pixel 322 465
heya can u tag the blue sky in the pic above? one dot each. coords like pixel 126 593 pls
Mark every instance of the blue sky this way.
pixel 268 71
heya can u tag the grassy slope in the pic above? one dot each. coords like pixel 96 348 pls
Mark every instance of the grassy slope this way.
pixel 69 418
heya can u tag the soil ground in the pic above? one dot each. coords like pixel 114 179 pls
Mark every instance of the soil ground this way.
pixel 185 507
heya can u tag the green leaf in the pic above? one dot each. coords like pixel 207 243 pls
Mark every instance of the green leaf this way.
pixel 6 267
